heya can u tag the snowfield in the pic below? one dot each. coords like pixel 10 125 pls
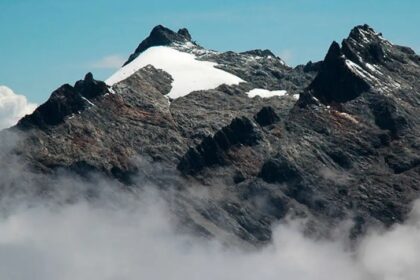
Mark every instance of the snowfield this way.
pixel 265 93
pixel 188 73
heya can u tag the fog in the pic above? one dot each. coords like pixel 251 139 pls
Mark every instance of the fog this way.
pixel 126 236
pixel 74 233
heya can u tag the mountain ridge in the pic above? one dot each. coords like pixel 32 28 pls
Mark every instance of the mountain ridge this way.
pixel 341 143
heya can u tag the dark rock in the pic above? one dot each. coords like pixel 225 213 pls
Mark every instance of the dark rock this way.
pixel 212 150
pixel 387 116
pixel 279 170
pixel 65 101
pixel 90 88
pixel 262 53
pixel 160 36
pixel 266 116
pixel 402 163
pixel 184 32
pixel 336 82
pixel 312 66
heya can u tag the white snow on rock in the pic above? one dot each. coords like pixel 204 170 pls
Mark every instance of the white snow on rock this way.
pixel 356 69
pixel 188 73
pixel 265 93
pixel 13 107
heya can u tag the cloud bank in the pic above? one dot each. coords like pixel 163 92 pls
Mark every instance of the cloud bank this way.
pixel 13 107
pixel 119 237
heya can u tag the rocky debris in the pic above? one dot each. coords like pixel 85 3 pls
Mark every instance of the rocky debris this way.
pixel 347 149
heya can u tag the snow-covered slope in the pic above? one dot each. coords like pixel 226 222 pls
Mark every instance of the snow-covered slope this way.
pixel 188 73
pixel 265 93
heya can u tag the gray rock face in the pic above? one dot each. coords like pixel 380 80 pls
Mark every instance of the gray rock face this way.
pixel 347 149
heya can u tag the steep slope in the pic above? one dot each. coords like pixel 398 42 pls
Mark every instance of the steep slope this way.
pixel 330 141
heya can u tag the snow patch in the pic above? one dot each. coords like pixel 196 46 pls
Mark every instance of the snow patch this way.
pixel 365 35
pixel 111 90
pixel 188 73
pixel 265 93
pixel 88 101
pixel 373 68
pixel 356 69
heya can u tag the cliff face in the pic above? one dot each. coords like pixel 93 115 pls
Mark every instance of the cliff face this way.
pixel 327 141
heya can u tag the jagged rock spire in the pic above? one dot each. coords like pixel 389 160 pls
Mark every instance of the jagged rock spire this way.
pixel 336 82
pixel 161 36
pixel 63 102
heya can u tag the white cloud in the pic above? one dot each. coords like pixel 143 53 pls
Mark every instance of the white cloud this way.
pixel 113 62
pixel 128 236
pixel 13 107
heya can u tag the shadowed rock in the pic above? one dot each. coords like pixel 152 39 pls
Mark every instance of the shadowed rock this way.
pixel 160 36
pixel 212 150
pixel 266 116
pixel 65 101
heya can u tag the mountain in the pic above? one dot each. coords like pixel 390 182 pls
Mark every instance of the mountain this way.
pixel 327 141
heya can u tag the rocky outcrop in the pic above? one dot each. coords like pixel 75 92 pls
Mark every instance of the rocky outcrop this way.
pixel 336 82
pixel 266 116
pixel 212 151
pixel 161 36
pixel 65 101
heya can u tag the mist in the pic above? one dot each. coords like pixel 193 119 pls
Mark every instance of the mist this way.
pixel 93 229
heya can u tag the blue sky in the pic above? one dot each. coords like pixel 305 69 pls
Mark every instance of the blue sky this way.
pixel 46 43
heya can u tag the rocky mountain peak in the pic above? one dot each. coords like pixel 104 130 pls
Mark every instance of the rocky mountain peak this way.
pixel 364 61
pixel 65 101
pixel 365 45
pixel 363 32
pixel 184 32
pixel 336 82
pixel 359 156
pixel 334 52
pixel 161 36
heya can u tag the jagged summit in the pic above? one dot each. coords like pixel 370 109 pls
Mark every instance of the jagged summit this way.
pixel 262 53
pixel 364 61
pixel 363 32
pixel 161 36
pixel 65 101
pixel 335 81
